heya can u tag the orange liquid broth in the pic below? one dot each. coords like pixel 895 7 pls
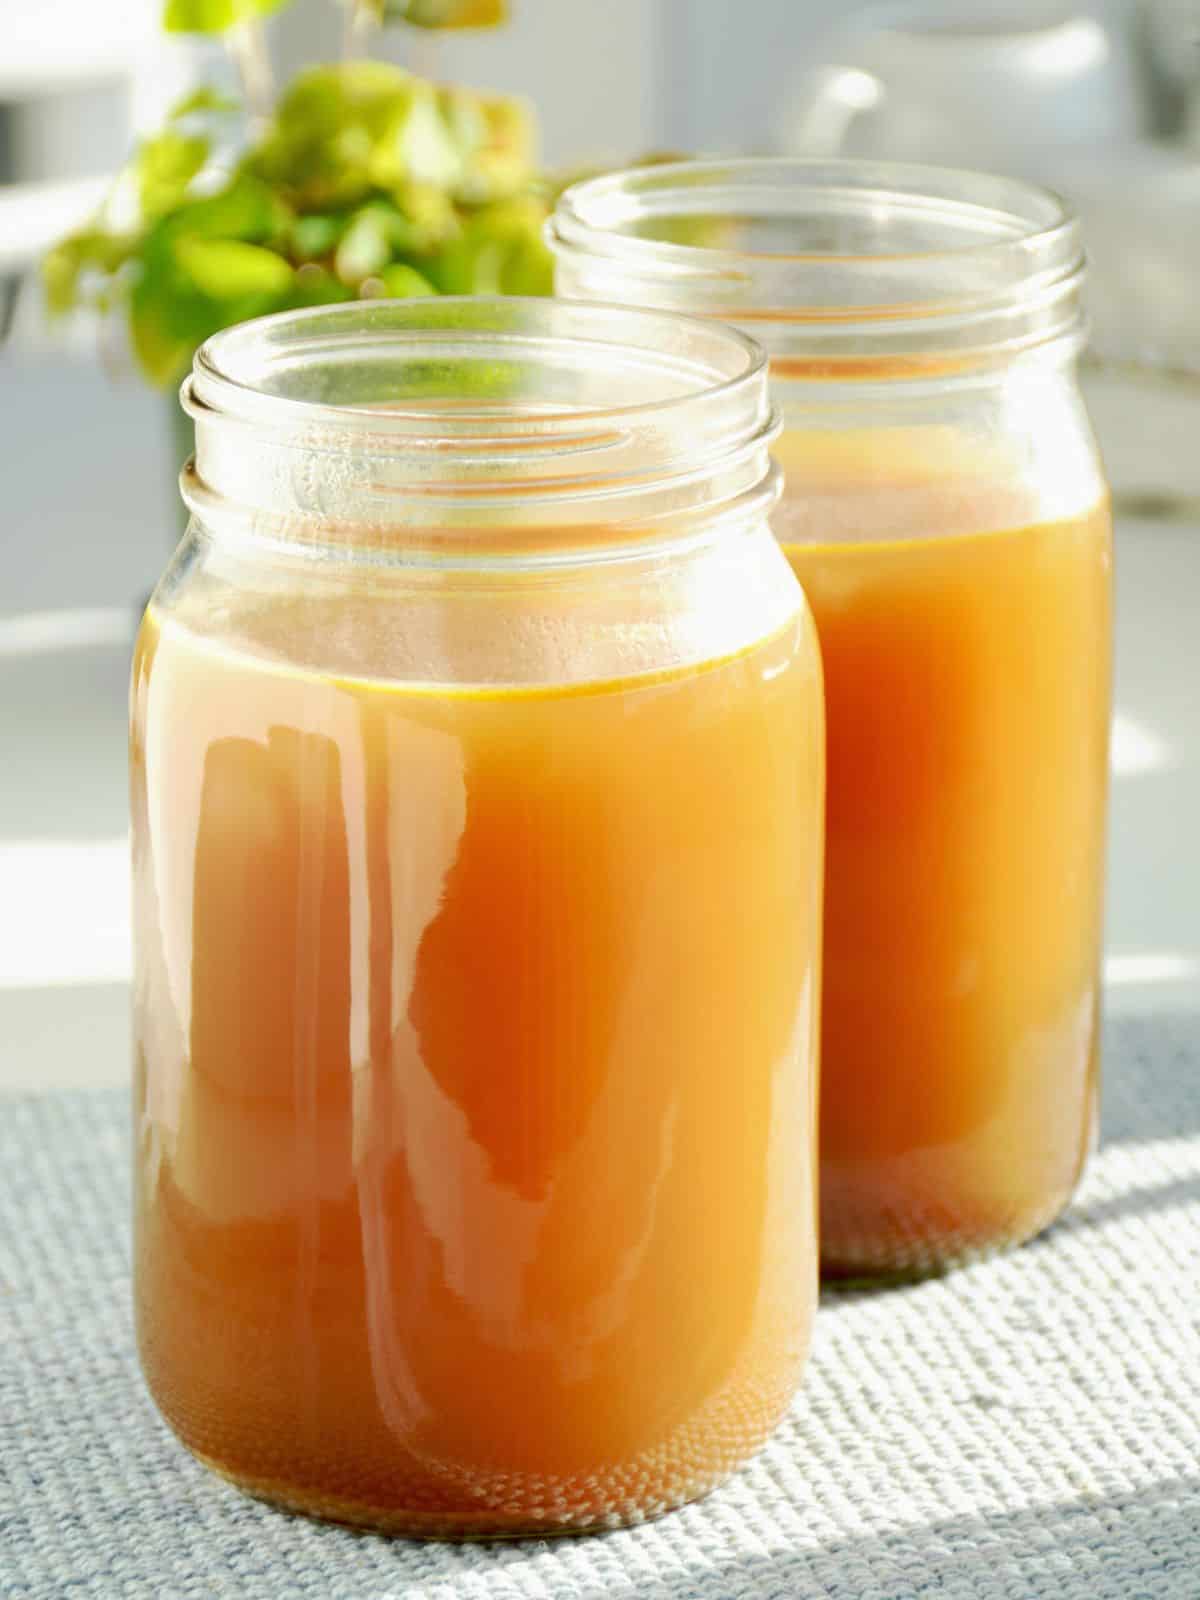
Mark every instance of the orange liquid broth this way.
pixel 476 1030
pixel 967 680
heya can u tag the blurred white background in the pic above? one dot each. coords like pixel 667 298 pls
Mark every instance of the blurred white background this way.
pixel 89 510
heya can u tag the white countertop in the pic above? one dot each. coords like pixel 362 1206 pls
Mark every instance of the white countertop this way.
pixel 87 522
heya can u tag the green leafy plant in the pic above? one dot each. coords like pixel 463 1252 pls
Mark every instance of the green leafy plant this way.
pixel 361 179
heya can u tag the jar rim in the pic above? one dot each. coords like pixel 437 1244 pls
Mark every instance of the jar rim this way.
pixel 814 251
pixel 478 411
pixel 587 211
pixel 231 367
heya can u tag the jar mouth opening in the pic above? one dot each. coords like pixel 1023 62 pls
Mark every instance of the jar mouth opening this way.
pixel 745 213
pixel 905 252
pixel 454 371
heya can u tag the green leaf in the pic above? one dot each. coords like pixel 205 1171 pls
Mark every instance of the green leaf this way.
pixel 500 251
pixel 206 99
pixel 418 144
pixel 314 286
pixel 464 116
pixel 91 253
pixel 498 140
pixel 382 231
pixel 164 358
pixel 471 265
pixel 326 127
pixel 176 305
pixel 342 133
pixel 60 280
pixel 402 282
pixel 214 16
pixel 443 13
pixel 246 209
pixel 164 167
pixel 316 236
pixel 528 266
pixel 424 218
pixel 204 267
pixel 366 246
pixel 228 269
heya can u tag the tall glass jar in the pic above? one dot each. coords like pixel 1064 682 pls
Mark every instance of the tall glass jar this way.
pixel 946 513
pixel 477 754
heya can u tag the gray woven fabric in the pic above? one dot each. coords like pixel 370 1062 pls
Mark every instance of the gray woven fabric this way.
pixel 1027 1427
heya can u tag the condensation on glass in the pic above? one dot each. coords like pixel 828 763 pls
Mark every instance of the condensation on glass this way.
pixel 477 785
pixel 946 513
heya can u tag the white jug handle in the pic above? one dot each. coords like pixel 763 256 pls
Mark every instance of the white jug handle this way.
pixel 830 99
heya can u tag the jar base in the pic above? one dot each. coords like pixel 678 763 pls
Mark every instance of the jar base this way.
pixel 881 1269
pixel 444 1527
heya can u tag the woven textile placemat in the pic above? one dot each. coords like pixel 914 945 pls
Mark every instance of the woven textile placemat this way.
pixel 1026 1427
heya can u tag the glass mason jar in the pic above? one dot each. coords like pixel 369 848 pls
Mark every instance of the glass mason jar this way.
pixel 477 749
pixel 946 513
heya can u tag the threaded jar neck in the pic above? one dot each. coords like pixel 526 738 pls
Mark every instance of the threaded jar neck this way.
pixel 482 430
pixel 841 269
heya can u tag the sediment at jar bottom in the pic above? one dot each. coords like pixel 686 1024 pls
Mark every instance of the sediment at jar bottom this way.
pixel 901 1227
pixel 360 1473
pixel 967 678
pixel 474 1186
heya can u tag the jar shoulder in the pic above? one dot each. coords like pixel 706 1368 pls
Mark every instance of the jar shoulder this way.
pixel 440 627
pixel 938 463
